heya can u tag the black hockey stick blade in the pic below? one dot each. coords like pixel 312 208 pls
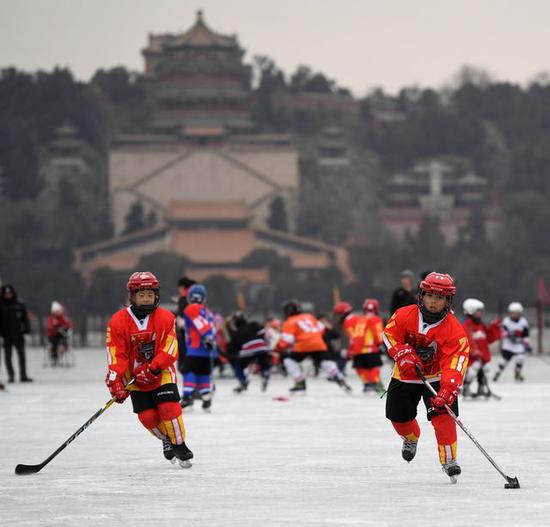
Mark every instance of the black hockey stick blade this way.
pixel 513 483
pixel 24 470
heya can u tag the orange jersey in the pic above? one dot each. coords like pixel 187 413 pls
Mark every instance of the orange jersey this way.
pixel 131 342
pixel 302 333
pixel 364 334
pixel 447 337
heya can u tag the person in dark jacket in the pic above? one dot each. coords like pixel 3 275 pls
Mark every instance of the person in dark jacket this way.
pixel 403 295
pixel 14 325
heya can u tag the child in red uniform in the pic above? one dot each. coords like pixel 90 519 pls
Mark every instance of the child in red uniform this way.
pixel 141 344
pixel 480 335
pixel 427 335
pixel 364 333
pixel 58 328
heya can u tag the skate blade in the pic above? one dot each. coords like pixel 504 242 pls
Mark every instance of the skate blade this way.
pixel 207 410
pixel 453 479
pixel 184 464
pixel 173 461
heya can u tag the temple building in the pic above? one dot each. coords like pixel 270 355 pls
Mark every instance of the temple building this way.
pixel 198 83
pixel 215 184
pixel 214 239
pixel 200 144
pixel 445 189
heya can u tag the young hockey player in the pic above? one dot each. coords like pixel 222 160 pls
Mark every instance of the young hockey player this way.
pixel 515 341
pixel 302 337
pixel 58 329
pixel 480 335
pixel 201 349
pixel 141 345
pixel 427 335
pixel 364 334
pixel 248 345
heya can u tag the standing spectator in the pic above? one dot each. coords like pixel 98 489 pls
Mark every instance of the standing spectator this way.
pixel 58 330
pixel 403 295
pixel 184 283
pixel 14 325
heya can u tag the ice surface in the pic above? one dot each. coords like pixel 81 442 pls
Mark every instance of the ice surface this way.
pixel 321 459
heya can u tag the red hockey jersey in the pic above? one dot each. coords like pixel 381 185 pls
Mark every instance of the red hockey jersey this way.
pixel 131 342
pixel 480 336
pixel 447 337
pixel 364 334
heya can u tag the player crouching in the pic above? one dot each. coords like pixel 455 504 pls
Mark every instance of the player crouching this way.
pixel 142 345
pixel 427 335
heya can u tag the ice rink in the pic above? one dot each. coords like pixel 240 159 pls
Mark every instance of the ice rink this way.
pixel 322 459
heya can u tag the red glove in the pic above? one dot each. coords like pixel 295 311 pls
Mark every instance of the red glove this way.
pixel 445 396
pixel 116 386
pixel 144 375
pixel 406 359
pixel 451 381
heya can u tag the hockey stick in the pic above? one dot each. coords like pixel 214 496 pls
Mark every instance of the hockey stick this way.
pixel 511 483
pixel 23 470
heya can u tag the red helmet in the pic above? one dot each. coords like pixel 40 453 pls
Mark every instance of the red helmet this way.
pixel 439 283
pixel 371 304
pixel 342 309
pixel 142 280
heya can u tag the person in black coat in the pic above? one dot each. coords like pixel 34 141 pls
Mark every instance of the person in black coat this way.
pixel 403 295
pixel 14 325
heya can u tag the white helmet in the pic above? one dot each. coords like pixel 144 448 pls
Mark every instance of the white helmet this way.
pixel 56 308
pixel 472 305
pixel 515 307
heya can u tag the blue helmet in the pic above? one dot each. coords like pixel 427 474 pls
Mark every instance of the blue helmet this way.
pixel 196 294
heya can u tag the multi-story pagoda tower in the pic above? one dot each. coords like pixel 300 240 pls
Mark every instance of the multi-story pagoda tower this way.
pixel 198 83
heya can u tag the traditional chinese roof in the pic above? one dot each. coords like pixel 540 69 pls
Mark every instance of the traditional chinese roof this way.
pixel 199 35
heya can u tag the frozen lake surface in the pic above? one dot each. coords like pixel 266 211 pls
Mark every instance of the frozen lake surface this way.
pixel 322 459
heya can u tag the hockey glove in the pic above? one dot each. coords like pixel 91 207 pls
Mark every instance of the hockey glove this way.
pixel 445 396
pixel 116 386
pixel 451 381
pixel 144 375
pixel 406 359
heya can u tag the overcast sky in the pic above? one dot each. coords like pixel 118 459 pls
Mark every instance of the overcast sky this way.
pixel 360 43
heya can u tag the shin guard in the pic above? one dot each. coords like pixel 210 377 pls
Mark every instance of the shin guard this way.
pixel 445 434
pixel 408 430
pixel 170 414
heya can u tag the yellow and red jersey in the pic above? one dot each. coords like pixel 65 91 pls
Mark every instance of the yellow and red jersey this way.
pixel 364 334
pixel 302 333
pixel 447 337
pixel 131 342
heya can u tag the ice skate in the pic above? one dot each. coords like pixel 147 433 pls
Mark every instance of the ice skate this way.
pixel 183 455
pixel 452 469
pixel 518 376
pixel 168 451
pixel 265 382
pixel 366 387
pixel 344 385
pixel 243 386
pixel 408 450
pixel 187 403
pixel 207 403
pixel 299 387
pixel 496 376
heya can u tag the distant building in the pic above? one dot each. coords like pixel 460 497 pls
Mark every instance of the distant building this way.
pixel 435 188
pixel 200 144
pixel 215 239
pixel 198 83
